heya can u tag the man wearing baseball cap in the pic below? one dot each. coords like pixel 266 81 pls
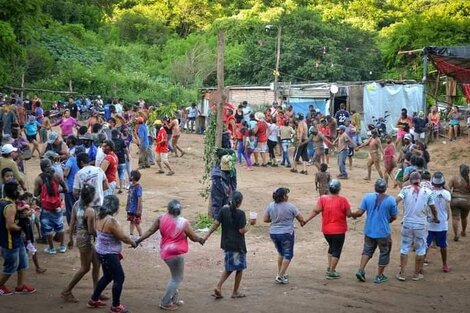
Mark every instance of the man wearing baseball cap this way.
pixel 7 161
pixel 416 199
pixel 55 144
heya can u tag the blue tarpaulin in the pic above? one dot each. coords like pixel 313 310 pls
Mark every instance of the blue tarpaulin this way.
pixel 391 98
pixel 300 105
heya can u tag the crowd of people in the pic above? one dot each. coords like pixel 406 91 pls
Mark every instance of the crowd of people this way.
pixel 88 163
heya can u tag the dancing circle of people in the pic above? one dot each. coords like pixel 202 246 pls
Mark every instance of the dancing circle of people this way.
pixel 90 168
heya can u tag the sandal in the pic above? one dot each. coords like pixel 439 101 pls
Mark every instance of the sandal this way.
pixel 293 171
pixel 217 294
pixel 238 295
pixel 160 172
pixel 169 307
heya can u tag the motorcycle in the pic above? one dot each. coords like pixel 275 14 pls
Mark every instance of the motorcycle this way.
pixel 379 124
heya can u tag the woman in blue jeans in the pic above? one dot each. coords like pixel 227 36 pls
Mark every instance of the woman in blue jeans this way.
pixel 108 248
pixel 286 132
pixel 281 214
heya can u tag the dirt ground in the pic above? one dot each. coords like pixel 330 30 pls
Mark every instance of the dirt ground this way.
pixel 308 290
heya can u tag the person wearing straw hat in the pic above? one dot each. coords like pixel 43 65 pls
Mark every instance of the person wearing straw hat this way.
pixel 261 132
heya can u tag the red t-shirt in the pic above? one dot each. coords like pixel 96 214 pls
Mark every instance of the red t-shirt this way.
pixel 334 214
pixel 111 171
pixel 229 124
pixel 162 141
pixel 262 131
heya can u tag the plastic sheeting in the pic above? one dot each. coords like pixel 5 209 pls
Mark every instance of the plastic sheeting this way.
pixel 300 105
pixel 391 98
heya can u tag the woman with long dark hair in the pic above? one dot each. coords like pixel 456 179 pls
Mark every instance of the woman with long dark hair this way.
pixel 460 200
pixel 175 231
pixel 109 236
pixel 281 214
pixel 233 221
pixel 83 220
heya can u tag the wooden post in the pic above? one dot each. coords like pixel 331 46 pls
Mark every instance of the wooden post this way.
pixel 22 86
pixel 220 88
pixel 70 86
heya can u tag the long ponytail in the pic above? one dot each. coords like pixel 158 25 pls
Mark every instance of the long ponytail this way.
pixel 235 203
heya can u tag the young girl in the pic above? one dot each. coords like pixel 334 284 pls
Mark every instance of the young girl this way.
pixel 233 221
pixel 83 220
pixel 134 203
pixel 322 179
pixel 389 158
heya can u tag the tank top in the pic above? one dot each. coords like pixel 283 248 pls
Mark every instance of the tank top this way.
pixel 106 243
pixel 174 241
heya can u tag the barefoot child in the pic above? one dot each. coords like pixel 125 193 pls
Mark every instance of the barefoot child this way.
pixel 322 179
pixel 233 221
pixel 134 203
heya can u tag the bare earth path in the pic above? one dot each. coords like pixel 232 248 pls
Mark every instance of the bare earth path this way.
pixel 308 290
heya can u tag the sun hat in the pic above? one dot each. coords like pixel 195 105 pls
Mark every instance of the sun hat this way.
pixel 259 116
pixel 157 122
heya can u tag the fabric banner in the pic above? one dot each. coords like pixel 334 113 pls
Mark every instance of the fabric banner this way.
pixel 392 98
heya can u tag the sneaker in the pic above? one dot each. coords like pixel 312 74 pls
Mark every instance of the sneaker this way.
pixel 95 304
pixel 119 309
pixel 169 307
pixel 446 268
pixel 401 277
pixel 281 280
pixel 170 173
pixel 380 279
pixel 327 271
pixel 333 275
pixel 361 275
pixel 62 248
pixel 25 289
pixel 426 263
pixel 179 303
pixel 31 248
pixel 50 251
pixel 4 291
pixel 417 276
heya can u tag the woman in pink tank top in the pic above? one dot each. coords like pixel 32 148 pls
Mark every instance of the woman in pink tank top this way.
pixel 175 231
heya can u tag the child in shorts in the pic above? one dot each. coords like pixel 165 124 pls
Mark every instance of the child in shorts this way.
pixel 322 179
pixel 134 203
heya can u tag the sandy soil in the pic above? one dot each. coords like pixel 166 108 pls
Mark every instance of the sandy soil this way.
pixel 308 290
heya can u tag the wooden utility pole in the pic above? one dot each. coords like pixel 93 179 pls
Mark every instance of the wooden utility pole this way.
pixel 220 88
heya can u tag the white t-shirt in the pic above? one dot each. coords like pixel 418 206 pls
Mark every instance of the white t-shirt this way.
pixel 118 107
pixel 441 199
pixel 415 204
pixel 273 132
pixel 93 176
pixel 99 156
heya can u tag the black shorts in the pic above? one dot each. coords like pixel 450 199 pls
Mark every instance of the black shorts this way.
pixel 301 152
pixel 335 243
pixel 32 137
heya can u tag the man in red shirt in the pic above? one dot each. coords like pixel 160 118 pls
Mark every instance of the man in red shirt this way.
pixel 161 148
pixel 261 133
pixel 109 165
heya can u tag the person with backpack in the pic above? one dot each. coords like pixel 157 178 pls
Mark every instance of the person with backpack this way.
pixel 46 187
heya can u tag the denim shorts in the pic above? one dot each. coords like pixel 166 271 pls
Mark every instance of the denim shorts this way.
pixel 51 222
pixel 234 261
pixel 15 260
pixel 284 244
pixel 385 247
pixel 413 234
pixel 122 170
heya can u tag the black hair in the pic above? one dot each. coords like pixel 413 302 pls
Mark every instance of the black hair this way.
pixel 73 139
pixel 26 196
pixel 280 194
pixel 135 175
pixel 112 119
pixel 174 207
pixel 115 133
pixel 235 202
pixel 82 130
pixel 425 175
pixel 5 171
pixel 419 162
pixel 10 190
pixel 464 172
pixel 96 128
pixel 87 194
pixel 323 167
pixel 110 144
pixel 110 206
pixel 83 158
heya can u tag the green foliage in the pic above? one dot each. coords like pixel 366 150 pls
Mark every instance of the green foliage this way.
pixel 209 155
pixel 203 220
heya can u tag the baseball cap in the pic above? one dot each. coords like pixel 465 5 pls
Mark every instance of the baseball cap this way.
pixel 438 179
pixel 52 137
pixel 342 127
pixel 140 120
pixel 8 148
pixel 407 136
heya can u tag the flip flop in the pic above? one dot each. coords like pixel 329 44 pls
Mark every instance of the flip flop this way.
pixel 239 295
pixel 217 294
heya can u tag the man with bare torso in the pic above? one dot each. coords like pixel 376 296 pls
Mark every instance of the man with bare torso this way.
pixel 301 134
pixel 342 144
pixel 318 147
pixel 375 148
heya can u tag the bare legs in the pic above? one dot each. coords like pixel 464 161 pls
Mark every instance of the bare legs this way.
pixel 236 284
pixel 87 258
pixel 282 265
pixel 137 226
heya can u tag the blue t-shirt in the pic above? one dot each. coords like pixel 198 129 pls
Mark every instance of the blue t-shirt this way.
pixel 409 169
pixel 143 134
pixel 73 166
pixel 135 191
pixel 378 215
pixel 31 129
